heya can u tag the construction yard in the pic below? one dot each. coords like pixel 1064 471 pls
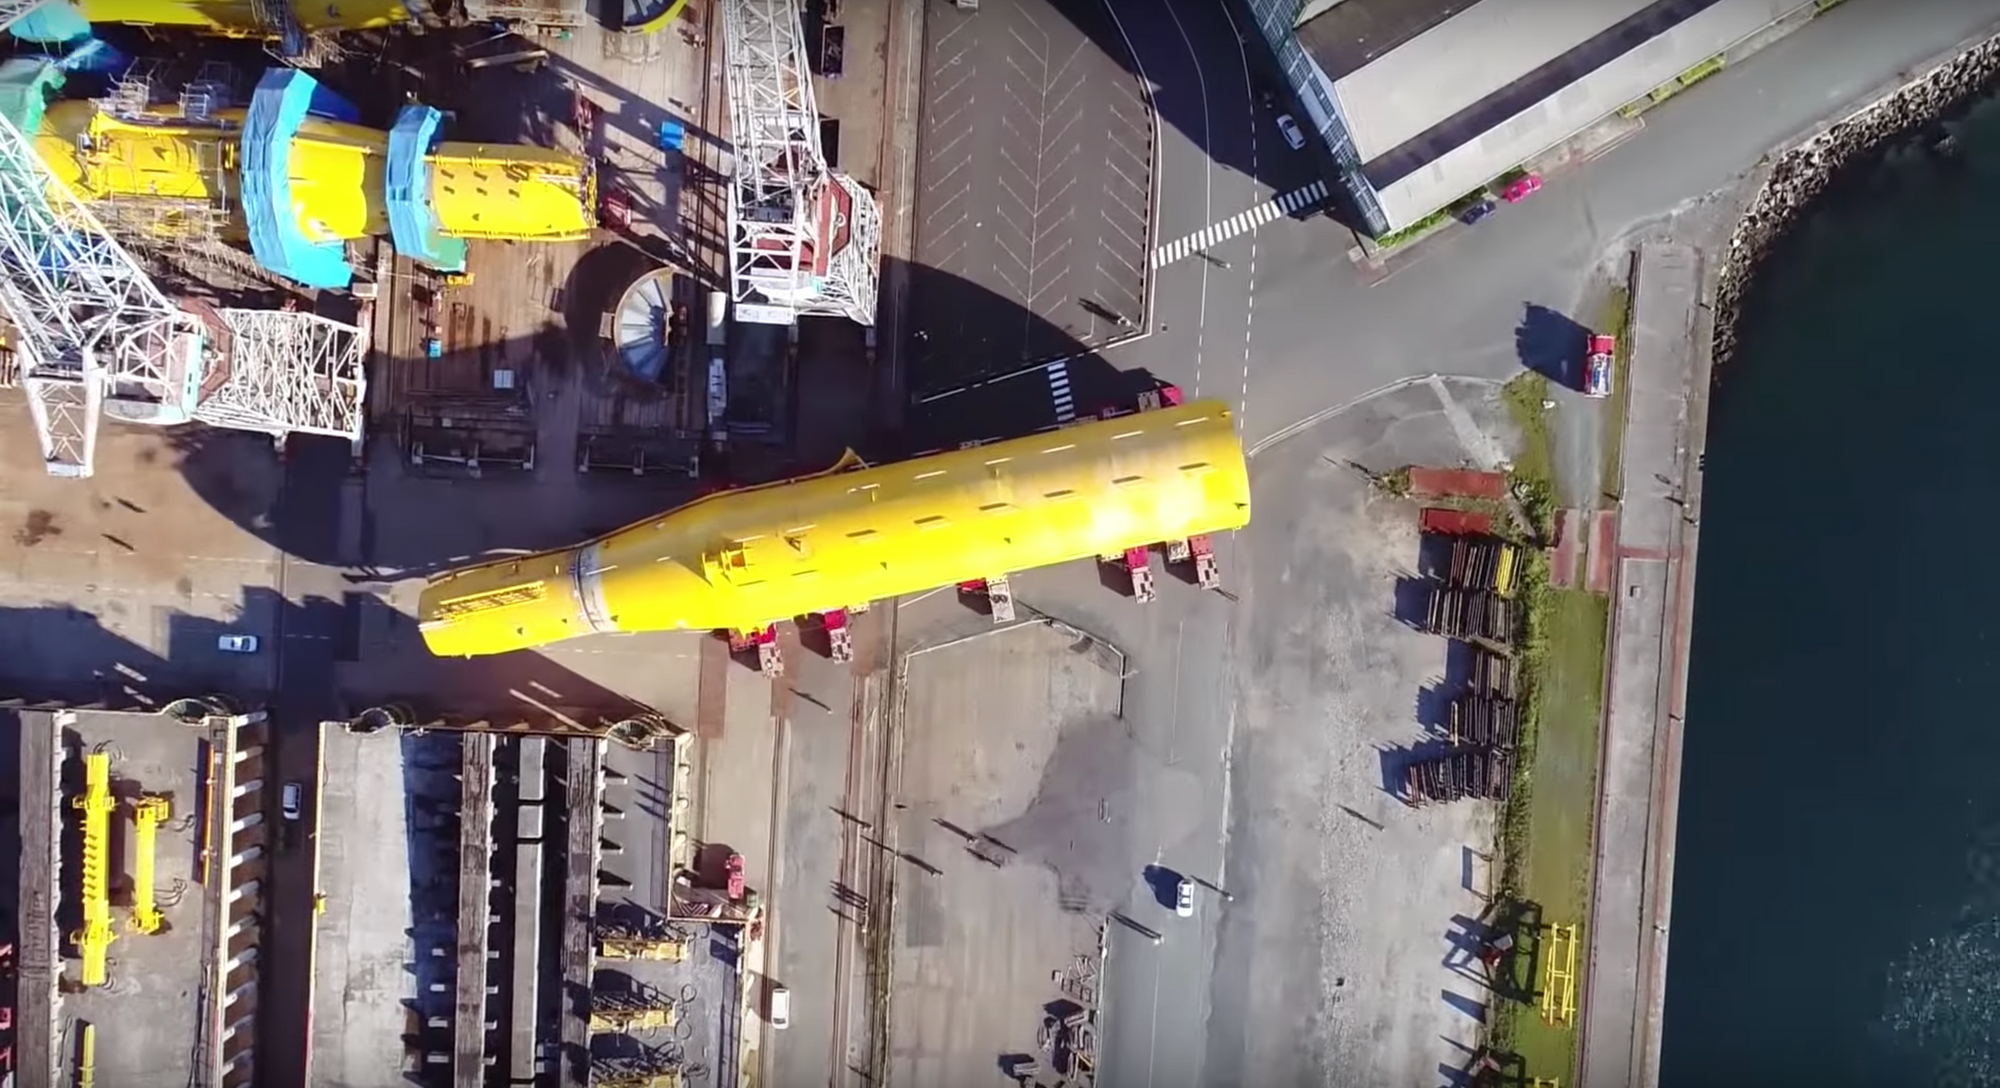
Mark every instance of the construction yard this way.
pixel 1352 900
pixel 120 585
pixel 1011 743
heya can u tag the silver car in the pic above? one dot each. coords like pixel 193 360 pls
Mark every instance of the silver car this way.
pixel 237 644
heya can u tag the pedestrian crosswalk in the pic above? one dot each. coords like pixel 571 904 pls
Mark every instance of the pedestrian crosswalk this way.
pixel 1240 223
pixel 1059 391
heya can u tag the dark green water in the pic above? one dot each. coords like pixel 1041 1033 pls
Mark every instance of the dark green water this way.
pixel 1836 915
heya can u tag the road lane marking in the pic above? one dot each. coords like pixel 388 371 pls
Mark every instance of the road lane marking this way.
pixel 1311 196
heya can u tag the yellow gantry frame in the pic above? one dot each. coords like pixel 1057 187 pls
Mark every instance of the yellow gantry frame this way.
pixel 1559 988
pixel 94 939
pixel 741 559
pixel 148 813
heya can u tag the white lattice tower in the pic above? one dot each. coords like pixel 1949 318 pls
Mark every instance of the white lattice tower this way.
pixel 780 174
pixel 90 321
pixel 289 373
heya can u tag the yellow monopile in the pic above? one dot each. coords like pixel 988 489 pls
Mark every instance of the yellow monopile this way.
pixel 741 559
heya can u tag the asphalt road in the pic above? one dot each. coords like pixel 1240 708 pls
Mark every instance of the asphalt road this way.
pixel 1291 331
pixel 309 637
pixel 1034 170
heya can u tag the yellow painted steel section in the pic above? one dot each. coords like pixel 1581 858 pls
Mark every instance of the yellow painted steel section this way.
pixel 628 1020
pixel 658 22
pixel 666 949
pixel 86 1057
pixel 511 192
pixel 94 939
pixel 336 173
pixel 238 18
pixel 148 813
pixel 741 559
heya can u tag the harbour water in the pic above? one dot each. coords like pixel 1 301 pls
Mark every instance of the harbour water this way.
pixel 1836 911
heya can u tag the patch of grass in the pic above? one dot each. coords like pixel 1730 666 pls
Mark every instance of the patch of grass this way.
pixel 1546 828
pixel 1432 221
pixel 1395 483
pixel 1613 318
pixel 1533 474
pixel 1415 230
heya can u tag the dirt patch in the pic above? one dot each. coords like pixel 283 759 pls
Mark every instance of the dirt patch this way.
pixel 38 526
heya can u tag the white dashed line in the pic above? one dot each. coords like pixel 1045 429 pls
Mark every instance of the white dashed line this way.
pixel 1059 391
pixel 1240 223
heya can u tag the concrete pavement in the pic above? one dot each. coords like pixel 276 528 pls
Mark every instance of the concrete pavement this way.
pixel 1625 977
pixel 1318 333
pixel 1324 336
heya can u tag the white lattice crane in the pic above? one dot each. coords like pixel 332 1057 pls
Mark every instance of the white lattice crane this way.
pixel 95 334
pixel 803 238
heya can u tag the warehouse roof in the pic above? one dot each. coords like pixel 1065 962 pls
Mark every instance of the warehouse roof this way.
pixel 1347 35
pixel 1479 52
pixel 1501 81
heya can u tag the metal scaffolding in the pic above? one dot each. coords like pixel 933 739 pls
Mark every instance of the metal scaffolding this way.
pixel 289 373
pixel 95 334
pixel 803 239
pixel 182 227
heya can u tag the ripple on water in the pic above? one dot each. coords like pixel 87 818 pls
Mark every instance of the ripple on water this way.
pixel 1944 1001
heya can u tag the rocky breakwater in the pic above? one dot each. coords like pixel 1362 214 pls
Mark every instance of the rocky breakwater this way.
pixel 1798 176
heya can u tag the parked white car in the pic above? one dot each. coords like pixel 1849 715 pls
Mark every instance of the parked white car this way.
pixel 1289 128
pixel 237 644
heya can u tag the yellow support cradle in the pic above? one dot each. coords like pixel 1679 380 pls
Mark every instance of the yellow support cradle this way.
pixel 93 941
pixel 148 813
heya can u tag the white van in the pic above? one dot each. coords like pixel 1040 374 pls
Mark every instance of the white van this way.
pixel 290 800
pixel 780 1012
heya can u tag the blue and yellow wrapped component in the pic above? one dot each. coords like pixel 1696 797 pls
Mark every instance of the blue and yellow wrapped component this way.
pixel 739 560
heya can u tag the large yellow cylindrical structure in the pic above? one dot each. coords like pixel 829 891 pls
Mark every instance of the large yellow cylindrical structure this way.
pixel 336 174
pixel 741 559
pixel 240 18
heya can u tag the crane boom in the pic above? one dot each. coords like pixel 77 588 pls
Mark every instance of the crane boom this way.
pixel 94 332
pixel 89 319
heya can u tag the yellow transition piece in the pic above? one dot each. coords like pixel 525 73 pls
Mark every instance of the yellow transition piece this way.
pixel 336 174
pixel 238 18
pixel 738 560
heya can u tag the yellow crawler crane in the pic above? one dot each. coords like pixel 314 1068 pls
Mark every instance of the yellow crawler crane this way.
pixel 93 941
pixel 148 813
pixel 741 560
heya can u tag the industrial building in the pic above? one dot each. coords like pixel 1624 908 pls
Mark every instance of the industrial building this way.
pixel 1418 103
